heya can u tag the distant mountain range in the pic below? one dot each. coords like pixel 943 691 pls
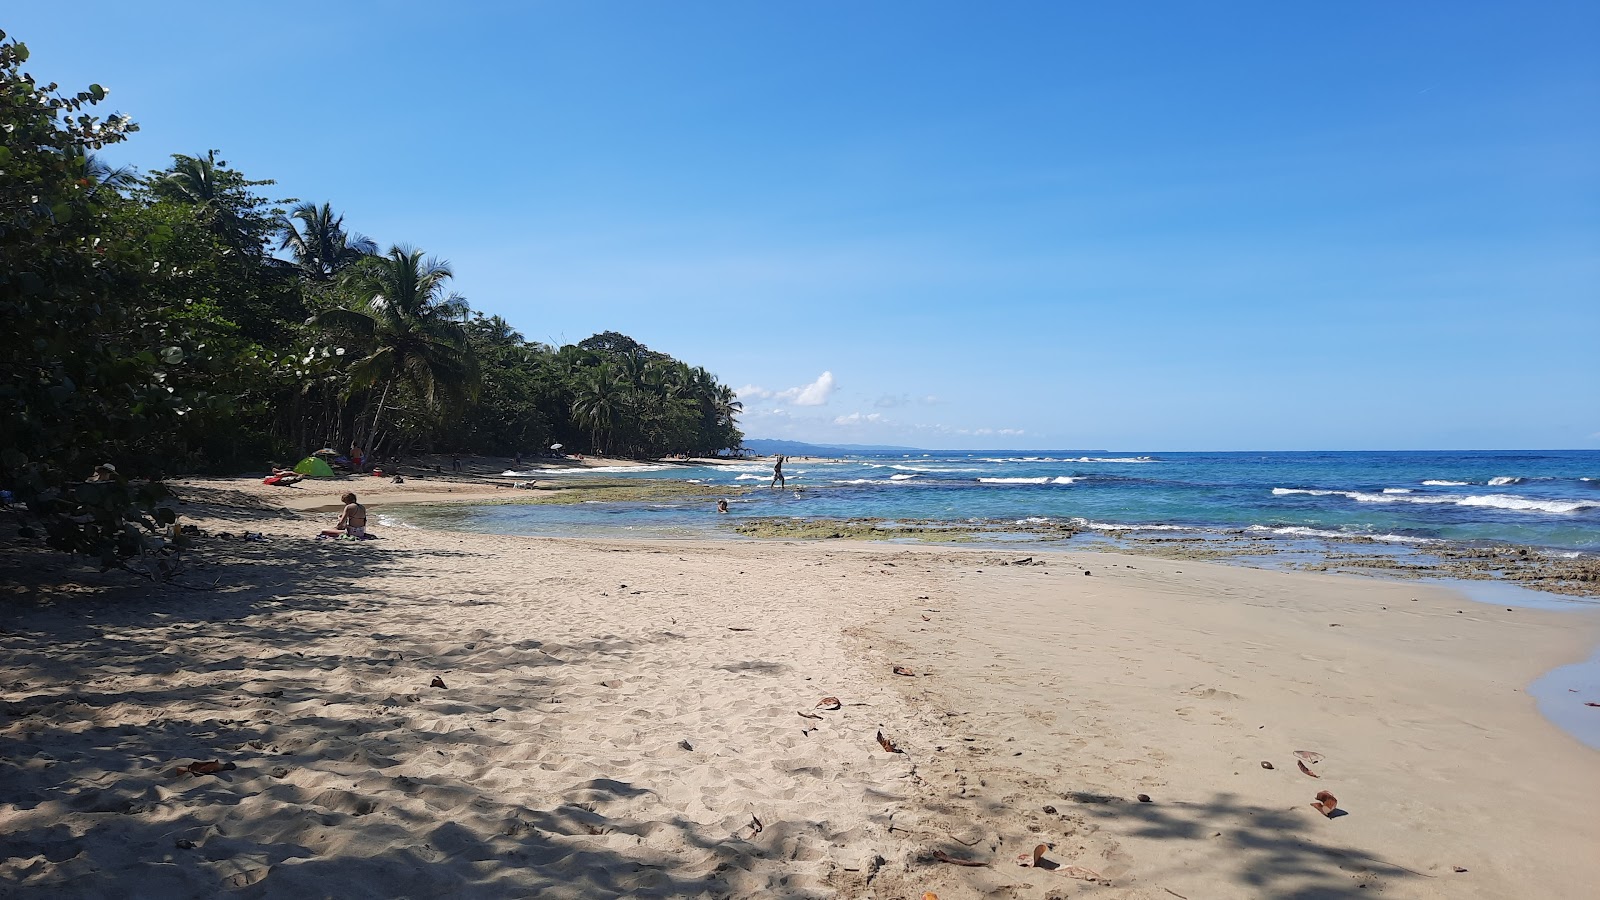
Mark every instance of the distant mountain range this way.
pixel 767 447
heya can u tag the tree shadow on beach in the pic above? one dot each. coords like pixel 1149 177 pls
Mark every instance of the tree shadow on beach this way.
pixel 350 774
pixel 1270 852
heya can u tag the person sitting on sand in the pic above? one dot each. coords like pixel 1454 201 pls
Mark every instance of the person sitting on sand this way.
pixel 777 474
pixel 352 522
pixel 722 506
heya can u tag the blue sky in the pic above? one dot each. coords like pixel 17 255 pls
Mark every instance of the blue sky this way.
pixel 1158 226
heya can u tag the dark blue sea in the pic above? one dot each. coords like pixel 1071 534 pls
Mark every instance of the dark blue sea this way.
pixel 1544 499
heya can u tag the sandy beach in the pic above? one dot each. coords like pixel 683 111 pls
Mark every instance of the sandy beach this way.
pixel 435 714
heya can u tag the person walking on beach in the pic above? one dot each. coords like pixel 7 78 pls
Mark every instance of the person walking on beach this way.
pixel 777 473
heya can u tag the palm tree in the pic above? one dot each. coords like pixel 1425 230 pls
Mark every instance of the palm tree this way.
pixel 103 176
pixel 412 327
pixel 193 179
pixel 600 400
pixel 321 246
pixel 223 197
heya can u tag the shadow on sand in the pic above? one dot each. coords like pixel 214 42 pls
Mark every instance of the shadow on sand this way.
pixel 107 684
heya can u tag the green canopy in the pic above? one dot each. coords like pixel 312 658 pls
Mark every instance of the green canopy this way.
pixel 315 468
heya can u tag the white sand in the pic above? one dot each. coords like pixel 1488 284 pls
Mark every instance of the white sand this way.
pixel 553 762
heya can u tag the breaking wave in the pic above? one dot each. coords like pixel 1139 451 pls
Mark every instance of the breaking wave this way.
pixel 1495 501
pixel 1302 531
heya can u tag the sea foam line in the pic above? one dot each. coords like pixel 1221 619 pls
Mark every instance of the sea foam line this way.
pixel 1494 501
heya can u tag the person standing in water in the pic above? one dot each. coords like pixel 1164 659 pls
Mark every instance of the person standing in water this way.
pixel 777 473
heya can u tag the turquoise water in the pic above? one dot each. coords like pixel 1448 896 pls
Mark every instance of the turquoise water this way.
pixel 1545 499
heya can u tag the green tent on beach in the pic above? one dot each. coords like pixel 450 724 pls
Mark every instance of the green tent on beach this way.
pixel 314 467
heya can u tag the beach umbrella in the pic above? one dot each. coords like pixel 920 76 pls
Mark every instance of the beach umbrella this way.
pixel 555 446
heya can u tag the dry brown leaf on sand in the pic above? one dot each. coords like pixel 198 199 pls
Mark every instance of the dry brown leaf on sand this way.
pixel 436 682
pixel 902 670
pixel 944 857
pixel 1590 703
pixel 929 895
pixel 1325 803
pixel 1036 858
pixel 1080 872
pixel 887 744
pixel 806 715
pixel 828 703
pixel 1306 770
pixel 926 619
pixel 1267 765
pixel 1310 756
pixel 755 824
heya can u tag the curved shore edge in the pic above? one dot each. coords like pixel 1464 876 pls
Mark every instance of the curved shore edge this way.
pixel 634 719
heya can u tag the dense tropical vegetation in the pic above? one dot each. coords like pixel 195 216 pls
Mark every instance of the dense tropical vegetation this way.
pixel 149 321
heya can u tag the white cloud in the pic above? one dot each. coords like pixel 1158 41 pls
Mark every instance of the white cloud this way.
pixel 857 418
pixel 814 394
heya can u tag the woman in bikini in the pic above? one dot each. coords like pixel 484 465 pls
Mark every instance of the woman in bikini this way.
pixel 352 522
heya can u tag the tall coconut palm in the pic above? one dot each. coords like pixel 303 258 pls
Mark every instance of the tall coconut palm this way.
pixel 320 245
pixel 192 179
pixel 599 403
pixel 412 328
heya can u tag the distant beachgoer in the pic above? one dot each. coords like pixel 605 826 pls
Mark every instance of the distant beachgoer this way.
pixel 353 521
pixel 104 472
pixel 356 457
pixel 455 463
pixel 518 461
pixel 777 474
pixel 282 477
pixel 722 506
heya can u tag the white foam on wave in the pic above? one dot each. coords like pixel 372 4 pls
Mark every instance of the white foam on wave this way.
pixel 902 477
pixel 1494 501
pixel 1503 480
pixel 1063 479
pixel 1115 459
pixel 750 478
pixel 893 479
pixel 1511 501
pixel 1032 520
pixel 1113 526
pixel 1397 490
pixel 934 469
pixel 1043 479
pixel 1437 482
pixel 1303 531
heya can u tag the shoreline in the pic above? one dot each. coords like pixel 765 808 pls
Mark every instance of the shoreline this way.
pixel 1571 574
pixel 579 668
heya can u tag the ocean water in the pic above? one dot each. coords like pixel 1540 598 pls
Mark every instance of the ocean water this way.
pixel 1544 499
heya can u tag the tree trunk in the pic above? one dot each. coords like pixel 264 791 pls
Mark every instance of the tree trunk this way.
pixel 377 417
